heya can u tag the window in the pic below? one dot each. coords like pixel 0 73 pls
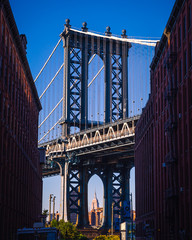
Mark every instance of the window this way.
pixel 8 114
pixel 155 85
pixel 10 55
pixel 158 77
pixel 162 102
pixel 191 92
pixel 4 109
pixel 0 101
pixel 164 73
pixel 13 63
pixel 189 16
pixel 13 88
pixel 161 74
pixel 6 45
pixel 175 46
pixel 179 37
pixel 2 32
pixel 5 76
pixel 1 65
pixel 184 27
pixel 9 84
pixel 175 78
pixel 190 52
pixel 180 70
pixel 185 62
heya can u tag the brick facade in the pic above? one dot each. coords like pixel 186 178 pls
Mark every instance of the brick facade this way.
pixel 171 97
pixel 20 171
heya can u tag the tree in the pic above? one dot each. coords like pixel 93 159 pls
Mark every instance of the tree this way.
pixel 101 237
pixel 104 237
pixel 68 231
pixel 113 237
pixel 45 212
pixel 55 223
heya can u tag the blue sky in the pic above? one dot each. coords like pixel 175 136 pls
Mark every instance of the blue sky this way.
pixel 43 20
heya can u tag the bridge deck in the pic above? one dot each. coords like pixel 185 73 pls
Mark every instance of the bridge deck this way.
pixel 110 143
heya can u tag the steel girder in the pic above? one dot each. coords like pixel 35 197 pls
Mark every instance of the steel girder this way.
pixel 117 96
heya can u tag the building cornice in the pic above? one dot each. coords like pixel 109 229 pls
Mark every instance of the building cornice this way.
pixel 168 29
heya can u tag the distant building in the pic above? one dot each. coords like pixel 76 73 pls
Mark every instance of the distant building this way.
pixel 163 148
pixel 20 170
pixel 133 215
pixel 96 213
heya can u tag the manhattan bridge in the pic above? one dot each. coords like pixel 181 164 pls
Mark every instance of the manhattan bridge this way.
pixel 91 104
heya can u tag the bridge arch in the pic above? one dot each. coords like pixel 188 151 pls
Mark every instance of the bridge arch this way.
pixel 97 136
pixel 73 142
pixel 125 129
pixel 85 139
pixel 111 133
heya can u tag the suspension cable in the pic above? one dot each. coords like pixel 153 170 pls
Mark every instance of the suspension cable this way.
pixel 91 59
pixel 49 130
pixel 51 81
pixel 50 113
pixel 139 41
pixel 95 76
pixel 47 60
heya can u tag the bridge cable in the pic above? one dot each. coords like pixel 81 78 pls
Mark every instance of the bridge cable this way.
pixel 131 40
pixel 47 60
pixel 50 112
pixel 91 59
pixel 51 81
pixel 96 76
pixel 49 130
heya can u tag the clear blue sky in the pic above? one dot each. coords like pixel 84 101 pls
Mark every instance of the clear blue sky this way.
pixel 43 20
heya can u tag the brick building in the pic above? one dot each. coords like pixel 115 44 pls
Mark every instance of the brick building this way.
pixel 164 136
pixel 144 170
pixel 20 170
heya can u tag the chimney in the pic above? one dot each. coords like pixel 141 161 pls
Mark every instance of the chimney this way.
pixel 24 42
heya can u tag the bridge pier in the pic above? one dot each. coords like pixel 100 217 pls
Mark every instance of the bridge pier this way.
pixel 107 199
pixel 63 165
pixel 85 220
pixel 82 216
pixel 74 191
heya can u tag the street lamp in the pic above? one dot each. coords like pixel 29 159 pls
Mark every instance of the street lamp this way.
pixel 54 207
pixel 112 217
pixel 50 197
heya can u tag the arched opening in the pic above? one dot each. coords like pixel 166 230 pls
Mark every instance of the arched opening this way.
pixel 95 201
pixel 96 92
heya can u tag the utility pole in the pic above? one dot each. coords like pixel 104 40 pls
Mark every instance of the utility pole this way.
pixel 54 207
pixel 50 197
pixel 131 210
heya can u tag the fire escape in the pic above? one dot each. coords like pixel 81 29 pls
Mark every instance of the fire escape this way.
pixel 171 195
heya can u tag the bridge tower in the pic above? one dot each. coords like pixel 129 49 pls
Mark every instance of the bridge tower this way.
pixel 77 167
pixel 79 48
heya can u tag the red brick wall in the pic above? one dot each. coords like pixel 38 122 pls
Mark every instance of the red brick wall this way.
pixel 171 93
pixel 144 171
pixel 20 171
